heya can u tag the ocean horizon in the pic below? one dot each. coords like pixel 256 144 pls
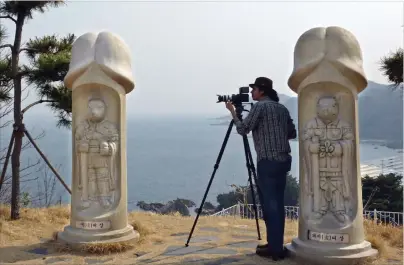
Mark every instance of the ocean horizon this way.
pixel 171 157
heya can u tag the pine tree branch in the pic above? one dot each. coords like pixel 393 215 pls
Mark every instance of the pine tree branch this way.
pixel 7 45
pixel 9 17
pixel 36 103
pixel 28 50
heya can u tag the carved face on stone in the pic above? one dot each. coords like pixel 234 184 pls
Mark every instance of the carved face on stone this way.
pixel 327 109
pixel 96 110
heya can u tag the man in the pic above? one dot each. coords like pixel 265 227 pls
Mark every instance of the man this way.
pixel 271 128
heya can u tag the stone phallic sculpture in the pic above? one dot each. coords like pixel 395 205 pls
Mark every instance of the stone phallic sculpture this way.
pixel 100 76
pixel 327 76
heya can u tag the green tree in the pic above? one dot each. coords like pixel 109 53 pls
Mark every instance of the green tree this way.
pixel 181 206
pixel 388 197
pixel 226 200
pixel 48 62
pixel 291 191
pixel 150 207
pixel 25 199
pixel 392 67
pixel 207 209
pixel 242 194
pixel 177 205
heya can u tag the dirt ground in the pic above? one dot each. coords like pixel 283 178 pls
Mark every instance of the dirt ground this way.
pixel 216 240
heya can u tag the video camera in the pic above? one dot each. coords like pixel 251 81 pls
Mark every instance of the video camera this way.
pixel 236 99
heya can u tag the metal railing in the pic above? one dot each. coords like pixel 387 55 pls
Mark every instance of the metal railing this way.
pixel 247 211
pixel 292 212
pixel 393 218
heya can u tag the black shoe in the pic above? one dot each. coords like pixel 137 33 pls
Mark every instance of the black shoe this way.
pixel 262 246
pixel 265 252
pixel 278 256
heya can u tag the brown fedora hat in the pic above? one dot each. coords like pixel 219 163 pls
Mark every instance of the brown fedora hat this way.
pixel 262 82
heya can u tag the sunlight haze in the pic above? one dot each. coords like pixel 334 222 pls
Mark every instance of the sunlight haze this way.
pixel 184 54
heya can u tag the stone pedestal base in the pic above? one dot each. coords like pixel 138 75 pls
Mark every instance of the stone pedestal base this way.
pixel 76 237
pixel 330 254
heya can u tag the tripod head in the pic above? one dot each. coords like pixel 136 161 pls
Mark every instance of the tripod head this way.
pixel 240 107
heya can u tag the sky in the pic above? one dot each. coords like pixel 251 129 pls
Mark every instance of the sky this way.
pixel 185 53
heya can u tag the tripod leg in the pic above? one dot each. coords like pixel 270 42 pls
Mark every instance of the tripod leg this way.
pixel 226 138
pixel 255 178
pixel 247 157
pixel 253 170
pixel 10 147
pixel 47 161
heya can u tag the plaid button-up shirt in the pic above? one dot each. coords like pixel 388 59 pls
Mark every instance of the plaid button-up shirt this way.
pixel 271 127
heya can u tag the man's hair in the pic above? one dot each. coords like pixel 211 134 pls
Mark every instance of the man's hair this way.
pixel 270 92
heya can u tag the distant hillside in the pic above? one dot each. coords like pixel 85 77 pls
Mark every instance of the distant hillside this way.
pixel 380 114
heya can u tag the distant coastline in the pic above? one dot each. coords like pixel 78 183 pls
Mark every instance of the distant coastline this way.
pixel 392 144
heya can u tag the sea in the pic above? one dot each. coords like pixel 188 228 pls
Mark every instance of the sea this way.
pixel 168 158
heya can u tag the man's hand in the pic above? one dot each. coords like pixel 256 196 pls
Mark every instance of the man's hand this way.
pixel 229 106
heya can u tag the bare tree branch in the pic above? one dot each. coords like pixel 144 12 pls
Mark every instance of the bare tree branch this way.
pixel 26 145
pixel 46 189
pixel 5 192
pixel 35 103
pixel 6 109
pixel 7 123
pixel 28 50
pixel 27 94
pixel 7 46
pixel 8 177
pixel 9 17
pixel 31 165
pixel 28 180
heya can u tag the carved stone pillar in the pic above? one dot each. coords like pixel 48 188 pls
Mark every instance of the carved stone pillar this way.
pixel 99 76
pixel 328 75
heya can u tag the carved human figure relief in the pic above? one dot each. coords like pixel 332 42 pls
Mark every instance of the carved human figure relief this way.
pixel 96 149
pixel 328 156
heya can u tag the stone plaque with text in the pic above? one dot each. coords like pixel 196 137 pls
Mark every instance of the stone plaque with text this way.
pixel 90 225
pixel 329 238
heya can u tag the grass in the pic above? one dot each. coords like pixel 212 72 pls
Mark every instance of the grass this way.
pixel 155 235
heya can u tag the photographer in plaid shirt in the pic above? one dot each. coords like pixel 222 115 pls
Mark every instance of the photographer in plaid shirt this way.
pixel 272 128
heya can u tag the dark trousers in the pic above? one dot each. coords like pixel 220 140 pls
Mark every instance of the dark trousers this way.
pixel 271 184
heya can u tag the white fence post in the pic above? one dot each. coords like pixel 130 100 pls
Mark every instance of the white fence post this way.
pixel 238 214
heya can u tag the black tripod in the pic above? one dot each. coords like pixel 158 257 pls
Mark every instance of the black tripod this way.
pixel 250 168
